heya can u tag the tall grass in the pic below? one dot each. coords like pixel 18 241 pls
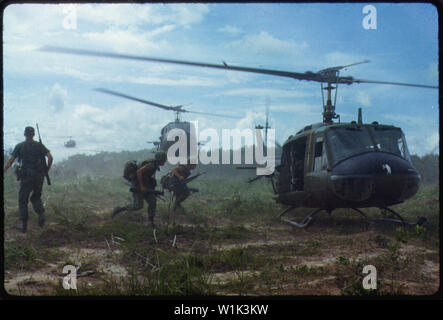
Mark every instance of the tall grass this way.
pixel 178 259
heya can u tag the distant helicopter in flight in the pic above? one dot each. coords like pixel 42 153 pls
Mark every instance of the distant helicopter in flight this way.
pixel 163 143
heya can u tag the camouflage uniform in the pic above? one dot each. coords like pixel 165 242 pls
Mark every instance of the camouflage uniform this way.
pixel 138 196
pixel 180 190
pixel 31 154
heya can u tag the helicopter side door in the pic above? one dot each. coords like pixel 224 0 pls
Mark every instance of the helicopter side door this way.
pixel 290 173
pixel 317 164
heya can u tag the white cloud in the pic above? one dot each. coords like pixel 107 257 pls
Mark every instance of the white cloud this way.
pixel 364 98
pixel 180 31
pixel 298 109
pixel 115 14
pixel 229 30
pixel 263 92
pixel 337 58
pixel 186 15
pixel 264 43
pixel 123 15
pixel 28 19
pixel 124 41
pixel 57 97
pixel 250 119
pixel 124 126
pixel 433 142
pixel 163 81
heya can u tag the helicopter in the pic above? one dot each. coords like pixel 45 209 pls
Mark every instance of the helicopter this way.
pixel 163 143
pixel 70 143
pixel 329 165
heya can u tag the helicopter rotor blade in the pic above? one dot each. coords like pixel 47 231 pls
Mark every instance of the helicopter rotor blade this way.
pixel 212 114
pixel 321 76
pixel 342 67
pixel 394 83
pixel 225 66
pixel 177 109
pixel 355 63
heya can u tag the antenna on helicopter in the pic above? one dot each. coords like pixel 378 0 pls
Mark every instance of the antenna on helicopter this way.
pixel 266 127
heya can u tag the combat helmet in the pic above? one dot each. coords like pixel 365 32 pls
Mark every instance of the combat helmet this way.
pixel 29 132
pixel 160 156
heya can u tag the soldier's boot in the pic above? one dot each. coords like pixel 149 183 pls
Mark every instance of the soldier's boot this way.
pixel 181 210
pixel 151 223
pixel 41 220
pixel 117 210
pixel 23 227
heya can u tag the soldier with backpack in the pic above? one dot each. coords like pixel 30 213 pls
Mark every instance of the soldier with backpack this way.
pixel 31 173
pixel 176 182
pixel 180 189
pixel 143 183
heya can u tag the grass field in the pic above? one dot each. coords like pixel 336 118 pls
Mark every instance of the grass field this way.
pixel 228 241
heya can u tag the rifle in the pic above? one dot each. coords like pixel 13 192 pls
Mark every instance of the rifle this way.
pixel 158 194
pixel 250 180
pixel 184 181
pixel 45 165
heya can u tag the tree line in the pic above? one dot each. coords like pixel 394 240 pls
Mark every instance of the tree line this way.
pixel 112 163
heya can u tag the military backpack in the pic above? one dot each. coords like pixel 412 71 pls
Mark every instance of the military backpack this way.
pixel 130 170
pixel 166 180
pixel 131 167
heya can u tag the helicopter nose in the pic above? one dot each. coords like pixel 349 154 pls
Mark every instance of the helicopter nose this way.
pixel 380 178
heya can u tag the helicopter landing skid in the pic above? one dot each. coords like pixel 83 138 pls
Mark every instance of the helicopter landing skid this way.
pixel 308 219
pixel 399 219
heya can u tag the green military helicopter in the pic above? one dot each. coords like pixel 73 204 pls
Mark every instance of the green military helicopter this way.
pixel 330 165
pixel 186 127
pixel 70 143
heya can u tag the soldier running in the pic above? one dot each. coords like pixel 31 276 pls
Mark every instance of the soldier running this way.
pixel 142 188
pixel 180 189
pixel 32 156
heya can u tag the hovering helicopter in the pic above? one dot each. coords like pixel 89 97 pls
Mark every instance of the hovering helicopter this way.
pixel 70 143
pixel 330 165
pixel 163 143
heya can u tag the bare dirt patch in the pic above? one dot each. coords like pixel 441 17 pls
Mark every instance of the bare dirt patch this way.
pixel 237 259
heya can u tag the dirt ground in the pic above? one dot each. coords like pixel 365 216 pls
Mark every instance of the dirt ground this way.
pixel 277 260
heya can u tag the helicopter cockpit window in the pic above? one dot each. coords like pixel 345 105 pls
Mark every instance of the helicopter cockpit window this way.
pixel 391 140
pixel 345 142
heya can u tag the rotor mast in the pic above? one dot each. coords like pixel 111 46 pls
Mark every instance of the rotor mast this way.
pixel 177 116
pixel 267 126
pixel 329 76
pixel 329 108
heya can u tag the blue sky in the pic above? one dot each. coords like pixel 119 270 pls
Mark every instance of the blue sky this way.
pixel 56 90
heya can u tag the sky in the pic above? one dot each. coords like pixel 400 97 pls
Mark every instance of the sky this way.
pixel 56 90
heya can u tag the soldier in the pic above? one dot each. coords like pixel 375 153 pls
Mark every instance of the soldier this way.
pixel 142 187
pixel 180 190
pixel 31 154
